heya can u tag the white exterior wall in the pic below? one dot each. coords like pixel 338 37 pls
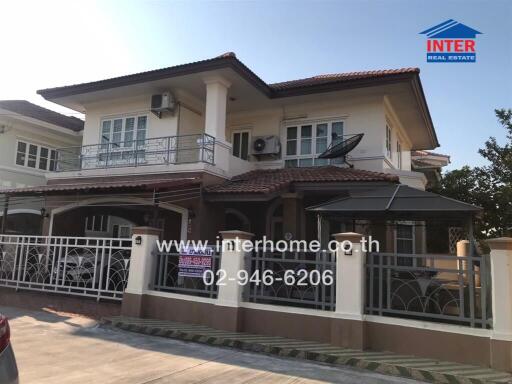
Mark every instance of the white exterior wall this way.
pixel 360 112
pixel 190 122
pixel 368 115
pixel 359 116
pixel 17 176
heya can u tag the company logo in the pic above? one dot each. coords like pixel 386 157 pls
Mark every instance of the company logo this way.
pixel 451 42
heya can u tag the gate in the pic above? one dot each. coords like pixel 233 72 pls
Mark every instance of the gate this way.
pixel 82 266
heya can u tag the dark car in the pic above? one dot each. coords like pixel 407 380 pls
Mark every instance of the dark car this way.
pixel 8 367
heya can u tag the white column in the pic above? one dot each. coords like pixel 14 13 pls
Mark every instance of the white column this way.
pixel 350 277
pixel 142 259
pixel 232 261
pixel 501 273
pixel 216 99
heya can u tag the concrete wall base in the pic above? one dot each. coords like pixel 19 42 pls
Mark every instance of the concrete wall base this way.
pixel 61 303
pixel 354 334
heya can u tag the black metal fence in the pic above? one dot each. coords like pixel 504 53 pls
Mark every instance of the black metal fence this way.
pixel 440 288
pixel 183 149
pixel 297 279
pixel 167 278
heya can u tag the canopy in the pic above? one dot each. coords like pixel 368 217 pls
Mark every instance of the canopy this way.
pixel 394 199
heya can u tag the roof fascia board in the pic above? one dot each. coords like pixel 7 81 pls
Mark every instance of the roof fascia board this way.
pixel 220 63
pixel 42 123
pixel 226 197
pixel 422 102
pixel 343 85
pixel 186 69
pixel 402 133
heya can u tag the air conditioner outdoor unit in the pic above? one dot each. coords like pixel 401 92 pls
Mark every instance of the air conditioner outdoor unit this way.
pixel 163 102
pixel 265 145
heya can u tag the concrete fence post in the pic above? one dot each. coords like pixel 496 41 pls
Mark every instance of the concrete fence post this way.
pixel 463 251
pixel 141 269
pixel 232 260
pixel 347 328
pixel 501 275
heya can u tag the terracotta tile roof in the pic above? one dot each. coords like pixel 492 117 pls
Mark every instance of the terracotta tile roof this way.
pixel 226 60
pixel 102 186
pixel 25 108
pixel 340 77
pixel 272 180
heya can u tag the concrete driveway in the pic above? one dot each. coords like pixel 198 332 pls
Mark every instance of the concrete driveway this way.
pixel 61 348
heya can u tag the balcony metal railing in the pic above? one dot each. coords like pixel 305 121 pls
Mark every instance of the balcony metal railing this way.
pixel 183 149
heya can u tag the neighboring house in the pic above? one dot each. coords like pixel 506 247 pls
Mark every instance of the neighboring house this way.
pixel 206 146
pixel 429 163
pixel 29 138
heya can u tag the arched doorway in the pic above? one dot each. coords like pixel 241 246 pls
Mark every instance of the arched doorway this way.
pixel 22 221
pixel 236 220
pixel 102 214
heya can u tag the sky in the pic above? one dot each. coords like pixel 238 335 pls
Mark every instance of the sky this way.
pixel 52 43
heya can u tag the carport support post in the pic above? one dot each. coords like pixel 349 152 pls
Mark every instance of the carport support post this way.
pixel 5 213
pixel 501 276
pixel 141 269
pixel 347 326
pixel 226 314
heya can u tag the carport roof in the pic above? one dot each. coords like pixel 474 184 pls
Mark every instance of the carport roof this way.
pixel 399 198
pixel 101 186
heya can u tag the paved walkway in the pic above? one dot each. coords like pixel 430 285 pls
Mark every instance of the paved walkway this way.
pixel 65 349
pixel 383 362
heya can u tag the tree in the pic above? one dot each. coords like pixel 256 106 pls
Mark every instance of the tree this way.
pixel 489 186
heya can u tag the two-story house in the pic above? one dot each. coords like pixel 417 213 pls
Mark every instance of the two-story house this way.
pixel 206 146
pixel 29 138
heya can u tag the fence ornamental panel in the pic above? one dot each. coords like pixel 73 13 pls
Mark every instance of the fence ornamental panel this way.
pixel 170 276
pixel 297 279
pixel 441 288
pixel 96 267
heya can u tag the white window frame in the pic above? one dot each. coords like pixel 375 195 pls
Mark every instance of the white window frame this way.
pixel 240 132
pixel 413 239
pixel 313 155
pixel 388 141
pixel 94 217
pixel 51 151
pixel 399 154
pixel 123 130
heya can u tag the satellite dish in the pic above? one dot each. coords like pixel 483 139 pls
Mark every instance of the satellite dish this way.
pixel 341 149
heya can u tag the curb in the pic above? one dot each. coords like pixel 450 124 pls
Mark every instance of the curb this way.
pixel 424 369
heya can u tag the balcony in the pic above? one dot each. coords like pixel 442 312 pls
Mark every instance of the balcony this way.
pixel 183 149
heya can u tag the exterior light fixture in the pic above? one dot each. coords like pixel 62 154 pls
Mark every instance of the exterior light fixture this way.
pixel 138 240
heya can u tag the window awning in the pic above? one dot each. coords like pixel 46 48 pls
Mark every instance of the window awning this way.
pixel 103 186
pixel 400 199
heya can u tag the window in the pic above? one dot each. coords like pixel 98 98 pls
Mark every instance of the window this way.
pixel 43 158
pixel 35 156
pixel 96 223
pixel 32 156
pixel 53 159
pixel 121 231
pixel 305 142
pixel 388 141
pixel 399 154
pixel 21 154
pixel 120 132
pixel 241 144
pixel 404 243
